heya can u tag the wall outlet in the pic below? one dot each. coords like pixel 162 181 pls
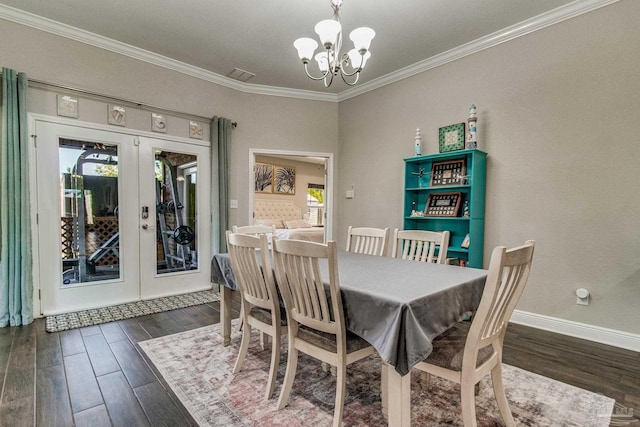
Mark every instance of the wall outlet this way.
pixel 350 194
pixel 582 296
pixel 233 204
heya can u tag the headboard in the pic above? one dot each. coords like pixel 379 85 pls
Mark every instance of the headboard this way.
pixel 276 209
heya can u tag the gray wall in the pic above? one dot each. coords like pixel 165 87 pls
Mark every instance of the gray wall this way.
pixel 263 121
pixel 558 113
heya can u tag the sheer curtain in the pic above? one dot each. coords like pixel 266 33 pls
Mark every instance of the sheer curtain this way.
pixel 220 145
pixel 16 282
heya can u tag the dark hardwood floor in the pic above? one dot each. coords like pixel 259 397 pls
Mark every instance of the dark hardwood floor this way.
pixel 96 376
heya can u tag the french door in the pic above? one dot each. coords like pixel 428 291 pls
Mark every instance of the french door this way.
pixel 120 217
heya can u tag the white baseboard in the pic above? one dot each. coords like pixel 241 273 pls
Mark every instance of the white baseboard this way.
pixel 599 334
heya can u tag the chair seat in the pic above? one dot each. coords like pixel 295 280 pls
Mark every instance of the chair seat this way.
pixel 448 349
pixel 264 315
pixel 328 341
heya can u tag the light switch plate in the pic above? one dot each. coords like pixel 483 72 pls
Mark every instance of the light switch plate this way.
pixel 350 194
pixel 233 204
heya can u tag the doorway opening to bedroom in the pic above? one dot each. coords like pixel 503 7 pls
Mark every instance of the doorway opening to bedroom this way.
pixel 292 190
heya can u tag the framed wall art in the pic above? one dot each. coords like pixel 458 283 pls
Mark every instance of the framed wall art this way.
pixel 263 178
pixel 443 204
pixel 452 172
pixel 284 180
pixel 158 123
pixel 67 106
pixel 451 138
pixel 116 115
pixel 195 130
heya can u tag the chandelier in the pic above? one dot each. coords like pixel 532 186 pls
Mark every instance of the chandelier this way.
pixel 331 62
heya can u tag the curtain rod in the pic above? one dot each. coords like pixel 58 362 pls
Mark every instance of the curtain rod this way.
pixel 102 97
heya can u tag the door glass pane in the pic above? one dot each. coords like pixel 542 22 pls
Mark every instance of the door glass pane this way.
pixel 89 228
pixel 176 211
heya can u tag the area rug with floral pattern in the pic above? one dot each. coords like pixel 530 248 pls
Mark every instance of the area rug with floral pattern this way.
pixel 199 370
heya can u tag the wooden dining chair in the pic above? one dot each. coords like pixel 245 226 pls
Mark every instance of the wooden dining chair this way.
pixel 420 245
pixel 259 297
pixel 465 355
pixel 315 316
pixel 367 240
pixel 253 230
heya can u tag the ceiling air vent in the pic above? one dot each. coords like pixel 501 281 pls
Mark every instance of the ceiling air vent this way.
pixel 241 75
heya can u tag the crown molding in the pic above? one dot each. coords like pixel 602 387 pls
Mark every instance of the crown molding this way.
pixel 73 33
pixel 555 16
pixel 563 13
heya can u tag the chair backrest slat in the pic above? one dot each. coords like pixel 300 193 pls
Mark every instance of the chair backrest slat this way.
pixel 421 245
pixel 368 240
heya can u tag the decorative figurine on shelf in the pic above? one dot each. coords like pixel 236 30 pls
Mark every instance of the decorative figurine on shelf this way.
pixel 421 177
pixel 465 209
pixel 413 208
pixel 418 143
pixel 472 122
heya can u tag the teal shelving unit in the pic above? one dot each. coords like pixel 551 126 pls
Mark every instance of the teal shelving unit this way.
pixel 472 190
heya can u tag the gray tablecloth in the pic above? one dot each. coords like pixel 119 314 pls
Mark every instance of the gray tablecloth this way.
pixel 398 306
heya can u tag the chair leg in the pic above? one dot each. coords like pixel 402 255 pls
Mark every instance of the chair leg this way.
pixel 241 322
pixel 275 361
pixel 468 403
pixel 290 374
pixel 341 390
pixel 424 380
pixel 244 346
pixel 501 397
pixel 263 339
pixel 384 395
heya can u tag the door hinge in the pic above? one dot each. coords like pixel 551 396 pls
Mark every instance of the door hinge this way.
pixel 136 141
pixel 39 294
pixel 35 140
pixel 37 219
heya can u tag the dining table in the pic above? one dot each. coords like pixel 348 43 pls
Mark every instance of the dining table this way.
pixel 398 306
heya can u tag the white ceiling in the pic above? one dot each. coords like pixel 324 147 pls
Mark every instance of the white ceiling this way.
pixel 257 35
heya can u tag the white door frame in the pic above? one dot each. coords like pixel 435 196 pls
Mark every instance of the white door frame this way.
pixel 328 195
pixel 33 118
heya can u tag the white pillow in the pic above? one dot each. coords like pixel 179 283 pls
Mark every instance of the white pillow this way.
pixel 269 222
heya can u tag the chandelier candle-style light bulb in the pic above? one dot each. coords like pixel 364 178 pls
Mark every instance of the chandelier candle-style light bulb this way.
pixel 328 31
pixel 361 38
pixel 306 47
pixel 332 62
pixel 323 61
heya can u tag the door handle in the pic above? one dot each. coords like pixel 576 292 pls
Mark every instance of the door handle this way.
pixel 145 212
pixel 145 226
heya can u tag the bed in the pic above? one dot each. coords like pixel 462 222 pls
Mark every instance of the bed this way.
pixel 286 217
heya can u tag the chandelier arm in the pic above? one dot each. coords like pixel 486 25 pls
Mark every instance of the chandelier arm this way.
pixel 306 70
pixel 327 84
pixel 350 83
pixel 356 70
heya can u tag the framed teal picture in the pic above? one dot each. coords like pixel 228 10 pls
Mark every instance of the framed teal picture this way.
pixel 451 138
